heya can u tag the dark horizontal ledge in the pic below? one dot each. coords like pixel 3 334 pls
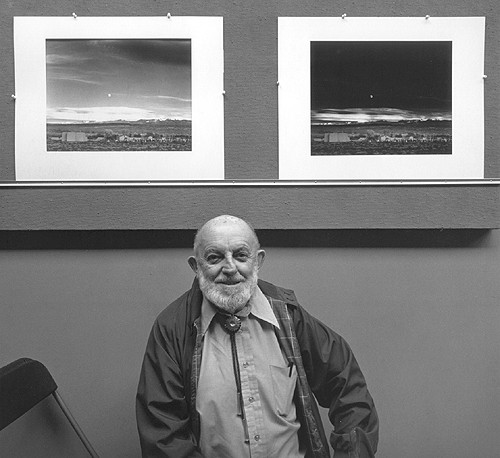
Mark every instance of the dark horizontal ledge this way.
pixel 161 239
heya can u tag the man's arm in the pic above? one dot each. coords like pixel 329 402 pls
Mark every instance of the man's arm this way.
pixel 162 410
pixel 339 385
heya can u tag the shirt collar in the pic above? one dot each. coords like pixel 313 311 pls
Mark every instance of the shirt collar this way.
pixel 259 307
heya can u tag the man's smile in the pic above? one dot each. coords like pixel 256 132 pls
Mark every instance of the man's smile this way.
pixel 229 282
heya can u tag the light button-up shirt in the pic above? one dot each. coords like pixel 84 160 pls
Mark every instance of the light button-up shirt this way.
pixel 267 383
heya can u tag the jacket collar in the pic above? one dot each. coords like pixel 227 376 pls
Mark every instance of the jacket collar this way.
pixel 276 292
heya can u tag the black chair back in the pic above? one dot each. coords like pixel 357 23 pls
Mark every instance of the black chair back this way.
pixel 23 384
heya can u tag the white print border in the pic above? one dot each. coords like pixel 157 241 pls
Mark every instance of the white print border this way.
pixel 294 38
pixel 204 162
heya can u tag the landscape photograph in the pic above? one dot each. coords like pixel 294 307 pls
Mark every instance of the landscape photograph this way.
pixel 118 95
pixel 381 97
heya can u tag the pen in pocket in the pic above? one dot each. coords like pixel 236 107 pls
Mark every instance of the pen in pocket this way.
pixel 290 365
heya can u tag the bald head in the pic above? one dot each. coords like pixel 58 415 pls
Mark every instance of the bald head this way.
pixel 225 223
pixel 227 257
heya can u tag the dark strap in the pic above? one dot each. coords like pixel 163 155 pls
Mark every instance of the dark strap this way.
pixel 287 338
pixel 232 324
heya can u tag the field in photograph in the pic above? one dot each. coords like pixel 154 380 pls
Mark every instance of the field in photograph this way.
pixel 145 135
pixel 382 138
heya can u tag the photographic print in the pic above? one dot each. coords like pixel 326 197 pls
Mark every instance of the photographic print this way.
pixel 381 98
pixel 119 98
pixel 118 95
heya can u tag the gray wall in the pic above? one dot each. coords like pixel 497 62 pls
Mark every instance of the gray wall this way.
pixel 421 311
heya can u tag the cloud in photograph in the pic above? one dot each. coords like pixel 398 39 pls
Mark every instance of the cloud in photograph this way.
pixel 95 79
pixel 99 114
pixel 370 115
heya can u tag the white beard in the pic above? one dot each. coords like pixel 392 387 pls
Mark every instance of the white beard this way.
pixel 229 298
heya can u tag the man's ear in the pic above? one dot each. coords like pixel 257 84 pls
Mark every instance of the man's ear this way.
pixel 193 263
pixel 261 254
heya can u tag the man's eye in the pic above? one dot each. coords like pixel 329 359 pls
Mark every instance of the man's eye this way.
pixel 241 256
pixel 212 259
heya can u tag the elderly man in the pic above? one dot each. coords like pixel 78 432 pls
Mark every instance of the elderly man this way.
pixel 233 367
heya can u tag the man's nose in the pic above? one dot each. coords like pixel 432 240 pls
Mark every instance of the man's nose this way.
pixel 229 266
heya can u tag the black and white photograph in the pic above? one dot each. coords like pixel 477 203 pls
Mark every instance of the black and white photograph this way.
pixel 119 95
pixel 381 97
pixel 119 98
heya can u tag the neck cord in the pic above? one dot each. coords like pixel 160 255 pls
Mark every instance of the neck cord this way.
pixel 232 324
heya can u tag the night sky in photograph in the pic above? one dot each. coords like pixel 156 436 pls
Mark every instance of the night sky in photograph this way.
pixel 109 80
pixel 410 75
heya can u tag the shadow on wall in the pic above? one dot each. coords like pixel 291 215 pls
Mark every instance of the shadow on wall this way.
pixel 331 238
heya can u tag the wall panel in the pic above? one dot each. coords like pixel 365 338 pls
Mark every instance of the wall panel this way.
pixel 251 128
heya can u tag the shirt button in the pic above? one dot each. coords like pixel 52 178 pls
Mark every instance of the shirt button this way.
pixel 251 399
pixel 245 364
pixel 256 437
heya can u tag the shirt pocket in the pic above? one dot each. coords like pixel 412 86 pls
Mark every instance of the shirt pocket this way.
pixel 284 381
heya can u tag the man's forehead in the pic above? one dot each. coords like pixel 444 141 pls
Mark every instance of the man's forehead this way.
pixel 222 245
pixel 223 229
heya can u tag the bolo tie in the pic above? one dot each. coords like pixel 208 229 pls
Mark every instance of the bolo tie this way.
pixel 232 324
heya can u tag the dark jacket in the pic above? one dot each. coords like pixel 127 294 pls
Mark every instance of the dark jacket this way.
pixel 166 398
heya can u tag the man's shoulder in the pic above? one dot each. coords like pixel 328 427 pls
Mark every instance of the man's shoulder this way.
pixel 278 292
pixel 186 308
pixel 175 307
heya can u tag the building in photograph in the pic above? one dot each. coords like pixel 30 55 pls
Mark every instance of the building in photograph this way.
pixel 74 137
